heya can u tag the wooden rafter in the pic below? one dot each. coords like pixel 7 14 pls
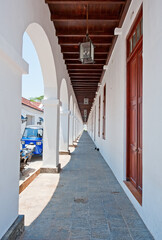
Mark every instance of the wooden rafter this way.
pixel 69 18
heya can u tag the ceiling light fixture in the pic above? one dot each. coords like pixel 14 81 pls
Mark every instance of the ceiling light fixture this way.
pixel 87 48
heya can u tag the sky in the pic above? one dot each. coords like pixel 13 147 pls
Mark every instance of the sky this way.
pixel 32 83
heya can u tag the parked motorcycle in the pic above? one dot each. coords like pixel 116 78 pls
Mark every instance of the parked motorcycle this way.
pixel 26 155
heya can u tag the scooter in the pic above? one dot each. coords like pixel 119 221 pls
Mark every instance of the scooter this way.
pixel 26 155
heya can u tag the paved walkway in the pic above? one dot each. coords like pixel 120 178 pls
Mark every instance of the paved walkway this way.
pixel 88 203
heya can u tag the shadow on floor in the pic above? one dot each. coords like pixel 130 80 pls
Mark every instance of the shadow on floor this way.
pixel 88 204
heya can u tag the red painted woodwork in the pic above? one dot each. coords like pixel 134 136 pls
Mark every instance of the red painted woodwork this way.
pixel 133 121
pixel 69 18
pixel 140 90
pixel 104 112
pixel 134 108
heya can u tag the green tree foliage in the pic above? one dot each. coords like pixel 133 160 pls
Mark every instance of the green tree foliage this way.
pixel 37 99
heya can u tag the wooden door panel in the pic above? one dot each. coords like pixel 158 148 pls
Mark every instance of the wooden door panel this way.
pixel 140 90
pixel 139 180
pixel 133 121
pixel 133 127
pixel 133 167
pixel 133 79
pixel 133 144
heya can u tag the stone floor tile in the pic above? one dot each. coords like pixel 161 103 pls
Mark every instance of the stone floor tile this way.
pixel 136 224
pixel 116 223
pixel 83 202
pixel 100 233
pixel 120 234
pixel 141 235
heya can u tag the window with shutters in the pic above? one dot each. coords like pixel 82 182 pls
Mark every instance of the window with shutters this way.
pixel 99 113
pixel 104 112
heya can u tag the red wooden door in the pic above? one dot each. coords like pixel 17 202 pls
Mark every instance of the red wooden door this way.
pixel 134 103
pixel 135 119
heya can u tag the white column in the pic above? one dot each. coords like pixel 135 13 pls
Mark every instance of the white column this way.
pixel 75 128
pixel 12 66
pixel 71 130
pixel 64 131
pixel 51 133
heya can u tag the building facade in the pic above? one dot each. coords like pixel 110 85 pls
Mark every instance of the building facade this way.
pixel 32 112
pixel 125 121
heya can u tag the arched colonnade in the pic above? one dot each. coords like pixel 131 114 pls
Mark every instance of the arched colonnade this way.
pixel 59 102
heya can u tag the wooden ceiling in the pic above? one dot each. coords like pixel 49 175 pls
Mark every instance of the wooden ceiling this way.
pixel 69 18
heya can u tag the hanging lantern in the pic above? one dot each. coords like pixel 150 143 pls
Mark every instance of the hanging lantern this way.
pixel 87 51
pixel 87 48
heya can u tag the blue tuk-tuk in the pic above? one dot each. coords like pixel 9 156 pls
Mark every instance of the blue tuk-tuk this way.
pixel 33 135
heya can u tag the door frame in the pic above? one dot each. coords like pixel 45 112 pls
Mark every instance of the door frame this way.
pixel 133 190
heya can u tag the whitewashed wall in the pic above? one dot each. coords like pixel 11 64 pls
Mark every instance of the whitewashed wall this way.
pixel 113 148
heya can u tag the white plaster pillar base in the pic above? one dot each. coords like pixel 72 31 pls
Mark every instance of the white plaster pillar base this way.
pixel 64 131
pixel 51 134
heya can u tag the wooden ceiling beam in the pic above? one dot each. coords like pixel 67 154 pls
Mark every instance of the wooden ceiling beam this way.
pixel 75 48
pixel 84 74
pixel 78 62
pixel 75 56
pixel 85 67
pixel 76 40
pixel 85 70
pixel 85 86
pixel 85 2
pixel 81 33
pixel 86 91
pixel 83 80
pixel 78 43
pixel 103 18
pixel 86 77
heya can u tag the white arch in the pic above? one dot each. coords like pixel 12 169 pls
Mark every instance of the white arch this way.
pixel 64 96
pixel 46 59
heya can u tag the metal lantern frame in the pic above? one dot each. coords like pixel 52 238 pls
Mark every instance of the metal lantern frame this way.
pixel 87 51
pixel 87 48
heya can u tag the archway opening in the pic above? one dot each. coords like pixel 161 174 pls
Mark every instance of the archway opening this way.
pixel 32 113
pixel 40 44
